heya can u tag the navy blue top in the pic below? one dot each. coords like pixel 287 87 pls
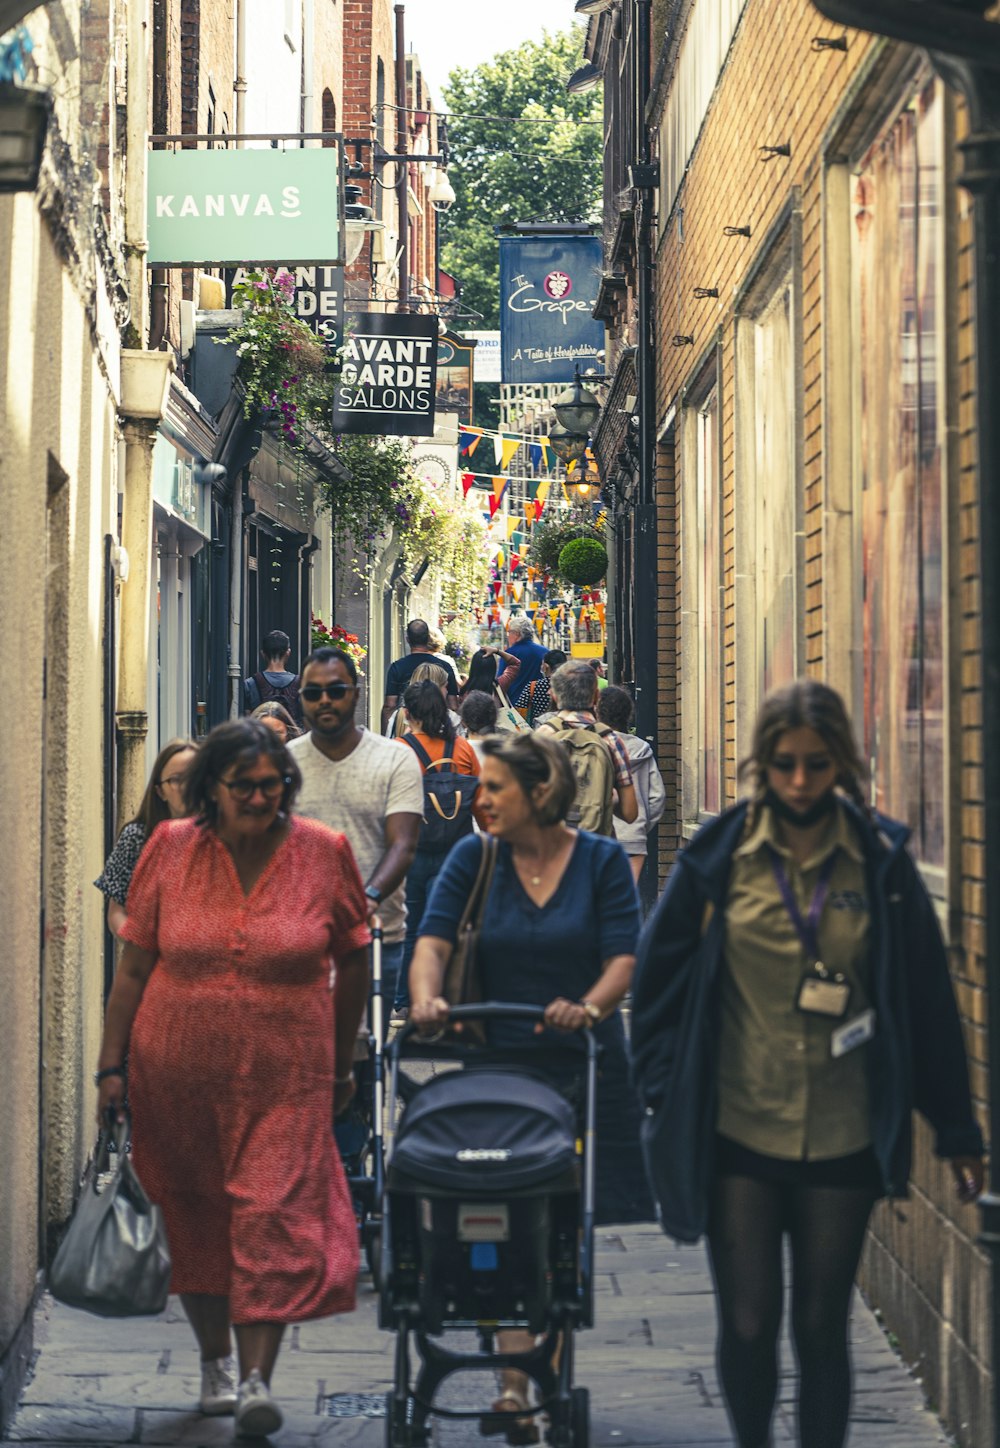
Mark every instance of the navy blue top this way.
pixel 530 656
pixel 530 953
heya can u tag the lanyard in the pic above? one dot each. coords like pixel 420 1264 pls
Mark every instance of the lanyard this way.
pixel 805 929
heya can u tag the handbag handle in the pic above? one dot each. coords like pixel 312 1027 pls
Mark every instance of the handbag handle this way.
pixel 476 903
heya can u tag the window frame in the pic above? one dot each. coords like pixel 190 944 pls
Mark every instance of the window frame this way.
pixel 707 386
pixel 779 267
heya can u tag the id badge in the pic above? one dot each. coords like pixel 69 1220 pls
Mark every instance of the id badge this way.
pixel 822 994
pixel 853 1034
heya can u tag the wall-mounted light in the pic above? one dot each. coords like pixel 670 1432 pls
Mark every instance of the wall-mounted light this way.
pixel 568 447
pixel 24 123
pixel 593 7
pixel 577 409
pixel 356 228
pixel 584 79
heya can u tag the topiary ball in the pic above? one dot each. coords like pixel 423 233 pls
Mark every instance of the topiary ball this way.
pixel 583 561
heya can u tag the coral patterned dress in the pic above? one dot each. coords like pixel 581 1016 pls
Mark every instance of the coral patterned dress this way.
pixel 231 1067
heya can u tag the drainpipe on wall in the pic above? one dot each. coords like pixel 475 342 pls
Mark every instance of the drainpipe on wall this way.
pixel 403 179
pixel 965 51
pixel 645 569
pixel 144 386
pixel 235 597
pixel 240 83
pixel 308 69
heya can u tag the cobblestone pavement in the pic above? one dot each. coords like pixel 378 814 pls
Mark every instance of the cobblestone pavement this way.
pixel 649 1364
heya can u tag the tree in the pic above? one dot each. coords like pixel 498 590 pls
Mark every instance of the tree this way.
pixel 504 171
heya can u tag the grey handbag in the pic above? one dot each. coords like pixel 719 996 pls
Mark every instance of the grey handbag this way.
pixel 114 1260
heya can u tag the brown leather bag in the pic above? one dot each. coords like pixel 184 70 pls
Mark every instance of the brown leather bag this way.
pixel 462 986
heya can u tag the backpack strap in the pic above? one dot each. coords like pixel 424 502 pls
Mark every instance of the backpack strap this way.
pixel 425 760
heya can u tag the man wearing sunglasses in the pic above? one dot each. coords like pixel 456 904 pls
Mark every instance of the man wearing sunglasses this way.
pixel 365 787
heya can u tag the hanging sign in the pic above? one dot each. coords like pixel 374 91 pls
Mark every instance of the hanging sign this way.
pixel 319 301
pixel 548 290
pixel 231 208
pixel 454 376
pixel 487 355
pixel 388 377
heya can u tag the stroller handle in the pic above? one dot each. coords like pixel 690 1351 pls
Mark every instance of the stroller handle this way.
pixel 493 1011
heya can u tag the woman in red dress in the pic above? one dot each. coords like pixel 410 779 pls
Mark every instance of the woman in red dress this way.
pixel 239 1054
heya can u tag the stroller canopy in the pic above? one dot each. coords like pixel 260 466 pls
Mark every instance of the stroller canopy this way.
pixel 485 1130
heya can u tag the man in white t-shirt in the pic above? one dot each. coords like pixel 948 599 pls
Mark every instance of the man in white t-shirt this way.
pixel 367 787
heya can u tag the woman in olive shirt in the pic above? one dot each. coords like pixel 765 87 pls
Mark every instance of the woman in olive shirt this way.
pixel 792 1007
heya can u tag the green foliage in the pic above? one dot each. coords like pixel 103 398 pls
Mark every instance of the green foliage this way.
pixel 549 539
pixel 282 365
pixel 503 172
pixel 379 494
pixel 583 561
pixel 454 539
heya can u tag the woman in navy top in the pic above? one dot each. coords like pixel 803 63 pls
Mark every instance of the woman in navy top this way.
pixel 559 931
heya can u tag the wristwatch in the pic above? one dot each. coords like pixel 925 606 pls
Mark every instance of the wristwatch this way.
pixel 593 1013
pixel 374 893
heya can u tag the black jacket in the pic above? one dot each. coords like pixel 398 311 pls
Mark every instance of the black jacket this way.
pixel 917 1059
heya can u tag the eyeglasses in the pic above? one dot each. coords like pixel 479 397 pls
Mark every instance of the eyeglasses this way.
pixel 312 693
pixel 786 763
pixel 245 789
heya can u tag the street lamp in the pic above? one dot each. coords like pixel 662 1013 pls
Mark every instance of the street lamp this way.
pixel 586 78
pixel 577 409
pixel 569 447
pixel 24 122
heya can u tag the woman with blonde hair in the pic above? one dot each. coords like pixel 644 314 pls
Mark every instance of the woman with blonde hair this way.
pixel 273 714
pixel 792 1007
pixel 559 930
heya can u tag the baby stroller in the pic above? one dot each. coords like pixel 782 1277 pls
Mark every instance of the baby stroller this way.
pixel 359 1132
pixel 487 1224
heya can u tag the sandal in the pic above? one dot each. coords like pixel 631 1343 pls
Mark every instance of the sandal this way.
pixel 519 1431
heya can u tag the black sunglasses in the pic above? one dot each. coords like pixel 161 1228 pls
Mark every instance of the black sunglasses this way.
pixel 312 693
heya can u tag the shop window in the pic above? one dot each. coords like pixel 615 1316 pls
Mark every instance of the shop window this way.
pixel 701 574
pixel 768 651
pixel 898 240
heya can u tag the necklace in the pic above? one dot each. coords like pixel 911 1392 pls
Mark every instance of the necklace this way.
pixel 536 879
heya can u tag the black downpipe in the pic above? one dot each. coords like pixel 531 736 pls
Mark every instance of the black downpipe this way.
pixel 108 655
pixel 645 631
pixel 965 50
pixel 159 278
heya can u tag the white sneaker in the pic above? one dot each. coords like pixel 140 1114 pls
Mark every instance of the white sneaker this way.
pixel 218 1388
pixel 257 1414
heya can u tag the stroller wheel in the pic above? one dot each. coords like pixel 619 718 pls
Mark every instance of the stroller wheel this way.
pixel 580 1417
pixel 373 1257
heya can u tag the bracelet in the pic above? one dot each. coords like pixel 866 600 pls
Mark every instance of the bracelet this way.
pixel 593 1012
pixel 107 1071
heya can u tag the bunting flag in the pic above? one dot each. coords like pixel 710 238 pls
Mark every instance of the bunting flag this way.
pixel 513 522
pixel 499 557
pixel 496 585
pixel 517 591
pixel 535 454
pixel 553 614
pixel 499 488
pixel 468 481
pixel 543 492
pixel 539 621
pixel 494 504
pixel 548 454
pixel 509 447
pixel 532 606
pixel 577 612
pixel 515 560
pixel 600 611
pixel 532 573
pixel 469 439
pixel 529 514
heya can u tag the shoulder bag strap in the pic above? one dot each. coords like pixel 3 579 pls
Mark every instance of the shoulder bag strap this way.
pixel 483 875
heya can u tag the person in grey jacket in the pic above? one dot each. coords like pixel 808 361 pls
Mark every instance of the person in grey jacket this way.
pixel 616 709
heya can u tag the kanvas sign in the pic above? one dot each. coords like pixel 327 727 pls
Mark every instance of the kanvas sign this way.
pixel 224 208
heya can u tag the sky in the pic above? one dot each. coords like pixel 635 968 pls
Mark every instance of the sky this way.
pixel 449 33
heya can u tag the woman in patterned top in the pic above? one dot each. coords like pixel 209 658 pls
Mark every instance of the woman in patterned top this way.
pixel 247 931
pixel 163 800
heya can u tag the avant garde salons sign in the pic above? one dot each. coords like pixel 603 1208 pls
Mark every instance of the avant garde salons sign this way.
pixel 548 290
pixel 225 208
pixel 388 378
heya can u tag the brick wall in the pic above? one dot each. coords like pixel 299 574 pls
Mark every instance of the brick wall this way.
pixel 922 1267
